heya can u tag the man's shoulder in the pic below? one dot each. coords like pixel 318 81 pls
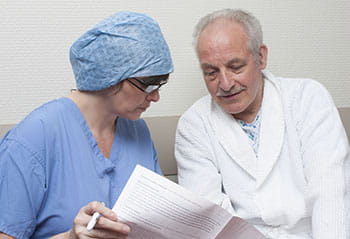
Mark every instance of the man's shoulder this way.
pixel 199 107
pixel 201 104
pixel 299 87
pixel 304 94
pixel 298 83
pixel 198 112
pixel 303 88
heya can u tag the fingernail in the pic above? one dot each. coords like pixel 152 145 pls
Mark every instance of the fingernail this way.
pixel 126 228
pixel 113 215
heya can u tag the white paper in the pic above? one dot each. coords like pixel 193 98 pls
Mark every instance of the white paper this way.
pixel 156 208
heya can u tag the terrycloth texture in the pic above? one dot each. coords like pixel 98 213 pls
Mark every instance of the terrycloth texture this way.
pixel 121 46
pixel 51 166
pixel 296 188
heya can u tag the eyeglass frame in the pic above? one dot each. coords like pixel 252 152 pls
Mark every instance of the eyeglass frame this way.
pixel 150 88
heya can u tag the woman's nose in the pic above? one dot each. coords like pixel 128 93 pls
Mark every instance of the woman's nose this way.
pixel 153 96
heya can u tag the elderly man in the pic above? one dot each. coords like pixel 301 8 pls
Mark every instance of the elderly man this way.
pixel 270 150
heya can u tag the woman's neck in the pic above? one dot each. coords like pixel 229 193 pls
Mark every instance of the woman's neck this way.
pixel 101 122
pixel 94 109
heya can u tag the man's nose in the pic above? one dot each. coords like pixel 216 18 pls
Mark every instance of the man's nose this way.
pixel 226 81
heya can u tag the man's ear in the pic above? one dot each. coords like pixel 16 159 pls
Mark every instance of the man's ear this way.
pixel 263 56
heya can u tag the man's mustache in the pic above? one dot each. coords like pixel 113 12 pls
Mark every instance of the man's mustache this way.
pixel 232 91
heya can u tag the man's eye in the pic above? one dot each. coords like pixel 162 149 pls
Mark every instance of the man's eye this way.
pixel 210 73
pixel 237 68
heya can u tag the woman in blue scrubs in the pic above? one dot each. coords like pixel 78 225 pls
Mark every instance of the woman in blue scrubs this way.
pixel 72 153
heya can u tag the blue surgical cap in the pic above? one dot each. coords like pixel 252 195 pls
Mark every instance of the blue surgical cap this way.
pixel 122 46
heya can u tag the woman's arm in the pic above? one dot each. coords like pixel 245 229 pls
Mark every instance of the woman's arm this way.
pixel 5 236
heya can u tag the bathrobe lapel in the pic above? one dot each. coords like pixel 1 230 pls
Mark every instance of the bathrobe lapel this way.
pixel 236 143
pixel 233 139
pixel 272 129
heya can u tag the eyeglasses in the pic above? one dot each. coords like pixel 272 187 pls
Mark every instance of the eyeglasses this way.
pixel 149 85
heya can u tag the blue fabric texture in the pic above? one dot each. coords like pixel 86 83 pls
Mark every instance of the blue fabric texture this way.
pixel 51 166
pixel 124 45
pixel 252 130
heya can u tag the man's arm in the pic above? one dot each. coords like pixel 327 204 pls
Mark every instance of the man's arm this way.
pixel 195 158
pixel 325 150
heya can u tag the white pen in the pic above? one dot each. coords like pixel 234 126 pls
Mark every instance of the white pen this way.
pixel 93 220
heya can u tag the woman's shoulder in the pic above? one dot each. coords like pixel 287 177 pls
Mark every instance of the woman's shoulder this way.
pixel 48 110
pixel 33 129
pixel 133 128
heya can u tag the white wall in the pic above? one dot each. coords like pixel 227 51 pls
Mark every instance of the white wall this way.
pixel 305 38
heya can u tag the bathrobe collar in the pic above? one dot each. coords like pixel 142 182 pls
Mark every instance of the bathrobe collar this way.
pixel 235 142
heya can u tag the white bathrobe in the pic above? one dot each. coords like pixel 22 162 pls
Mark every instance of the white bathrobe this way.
pixel 296 188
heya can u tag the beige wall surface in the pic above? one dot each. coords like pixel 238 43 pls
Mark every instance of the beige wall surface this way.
pixel 305 39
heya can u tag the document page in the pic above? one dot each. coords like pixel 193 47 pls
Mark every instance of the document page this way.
pixel 155 207
pixel 237 228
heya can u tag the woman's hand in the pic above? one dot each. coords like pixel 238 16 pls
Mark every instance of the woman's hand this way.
pixel 107 225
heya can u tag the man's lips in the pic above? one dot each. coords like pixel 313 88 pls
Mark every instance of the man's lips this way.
pixel 230 94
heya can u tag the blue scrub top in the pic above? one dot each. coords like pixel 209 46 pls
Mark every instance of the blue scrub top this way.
pixel 51 166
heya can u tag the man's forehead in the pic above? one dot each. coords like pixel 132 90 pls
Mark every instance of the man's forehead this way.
pixel 222 39
pixel 233 61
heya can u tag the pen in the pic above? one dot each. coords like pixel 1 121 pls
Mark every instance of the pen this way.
pixel 93 220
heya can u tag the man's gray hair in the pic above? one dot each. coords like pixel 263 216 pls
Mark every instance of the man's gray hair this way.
pixel 250 24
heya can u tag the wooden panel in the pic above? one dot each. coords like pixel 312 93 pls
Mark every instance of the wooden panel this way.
pixel 345 116
pixel 163 134
pixel 4 128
